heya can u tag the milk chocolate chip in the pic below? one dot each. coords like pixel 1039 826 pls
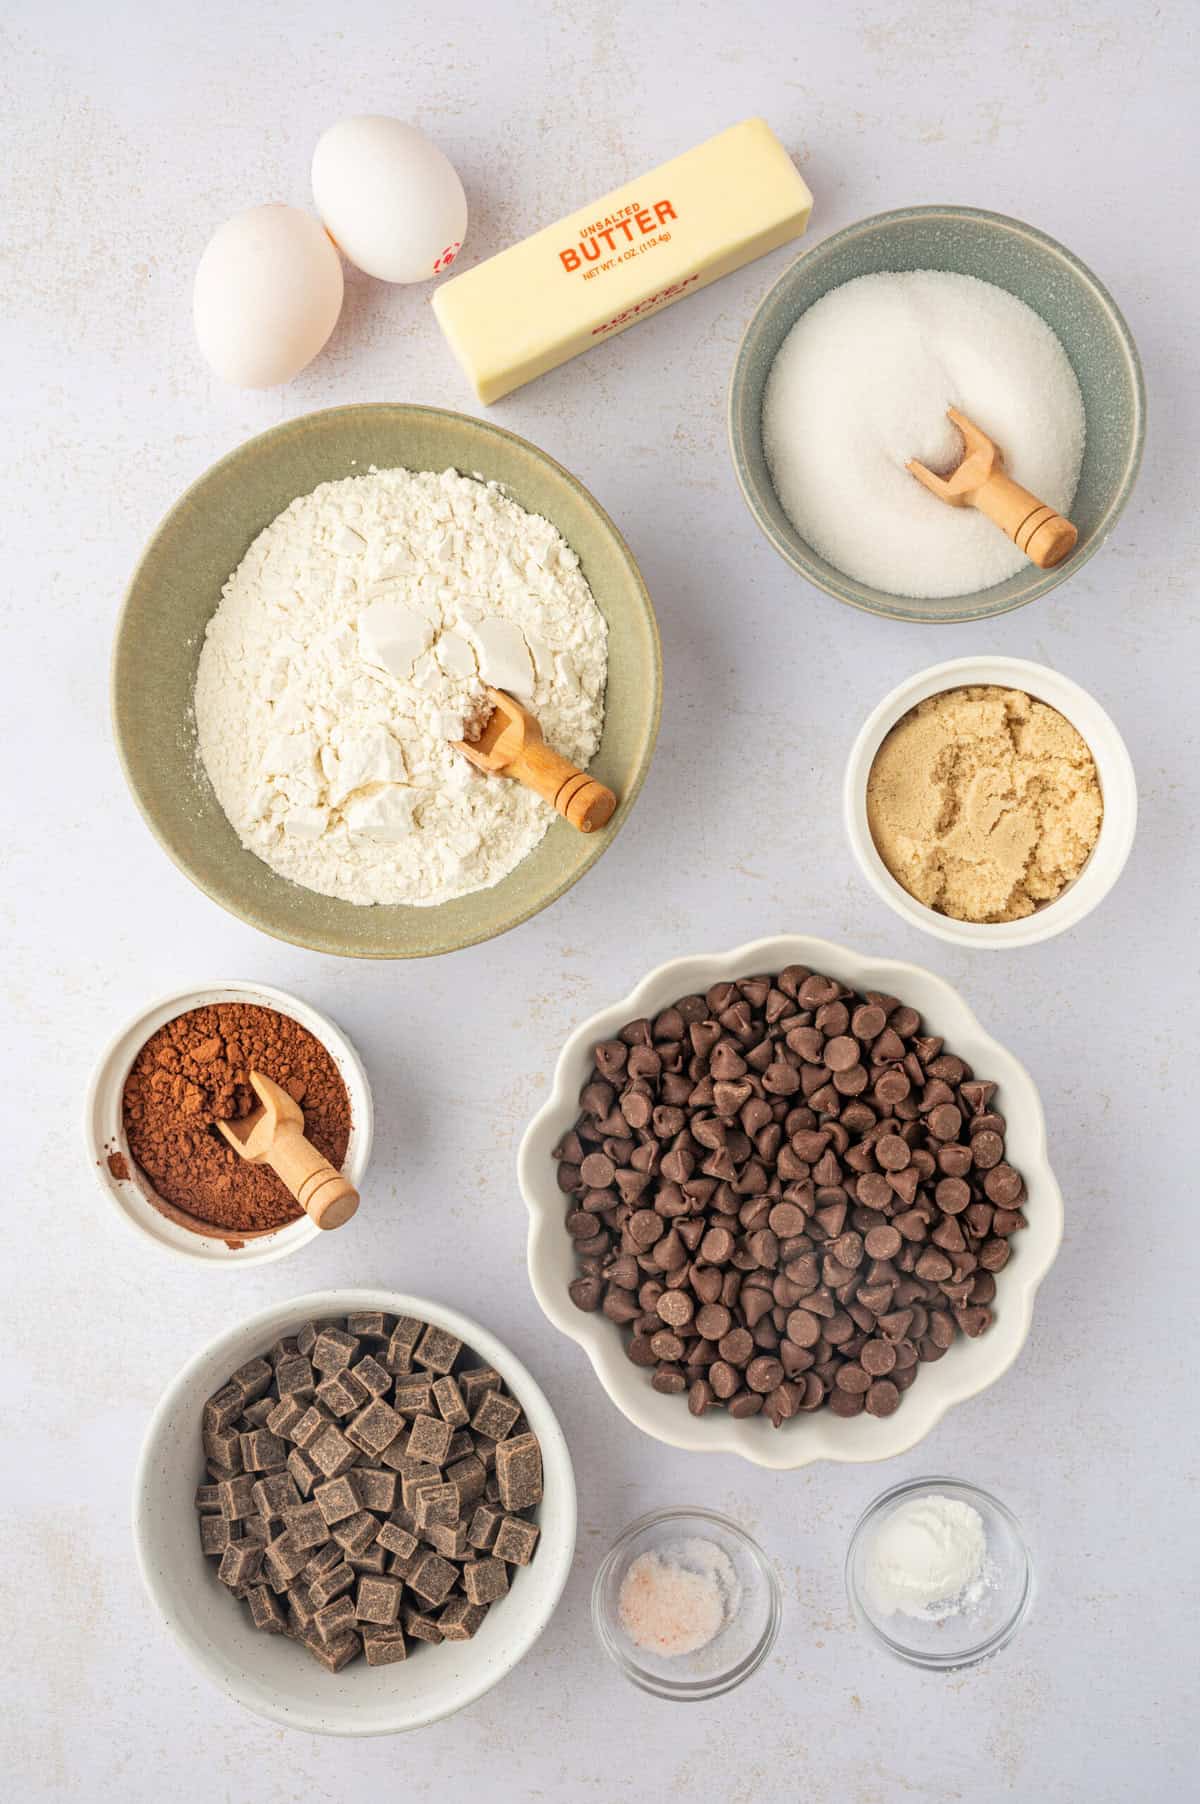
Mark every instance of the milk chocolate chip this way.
pixel 788 1195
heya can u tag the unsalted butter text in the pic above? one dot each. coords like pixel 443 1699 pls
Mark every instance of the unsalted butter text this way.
pixel 609 235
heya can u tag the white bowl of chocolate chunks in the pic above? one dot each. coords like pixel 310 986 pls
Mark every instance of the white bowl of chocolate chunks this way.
pixel 355 1512
pixel 793 1203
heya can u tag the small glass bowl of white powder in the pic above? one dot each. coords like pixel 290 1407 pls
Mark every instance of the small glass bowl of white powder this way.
pixel 939 1574
pixel 686 1604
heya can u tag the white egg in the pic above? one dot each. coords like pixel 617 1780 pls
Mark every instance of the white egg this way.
pixel 268 293
pixel 391 201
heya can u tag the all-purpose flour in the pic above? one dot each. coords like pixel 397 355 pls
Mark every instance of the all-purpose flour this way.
pixel 353 643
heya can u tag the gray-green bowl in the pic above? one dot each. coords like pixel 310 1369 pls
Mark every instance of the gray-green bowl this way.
pixel 177 585
pixel 1039 272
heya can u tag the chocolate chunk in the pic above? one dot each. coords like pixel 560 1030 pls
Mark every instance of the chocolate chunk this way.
pixel 437 1350
pixel 376 1488
pixel 431 1577
pixel 216 1534
pixel 331 1453
pixel 333 1351
pixel 333 1620
pixel 495 1415
pixel 413 1395
pixel 330 1584
pixel 236 1497
pixel 378 1599
pixel 403 1338
pixel 355 1534
pixel 306 1525
pixel 334 1655
pixel 519 1472
pixel 515 1540
pixel 383 1644
pixel 375 1427
pixel 461 1619
pixel 429 1440
pixel 306 1430
pixel 450 1403
pixel 485 1581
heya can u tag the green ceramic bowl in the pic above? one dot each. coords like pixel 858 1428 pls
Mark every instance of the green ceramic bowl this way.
pixel 1039 272
pixel 178 584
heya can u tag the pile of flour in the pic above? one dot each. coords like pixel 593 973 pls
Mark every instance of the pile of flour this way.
pixel 353 643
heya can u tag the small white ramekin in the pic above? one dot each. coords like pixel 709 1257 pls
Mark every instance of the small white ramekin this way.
pixel 132 1198
pixel 1113 768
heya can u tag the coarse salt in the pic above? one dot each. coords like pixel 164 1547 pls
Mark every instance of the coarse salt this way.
pixel 862 383
pixel 677 1599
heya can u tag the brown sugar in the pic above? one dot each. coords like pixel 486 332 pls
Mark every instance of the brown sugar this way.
pixel 984 803
pixel 194 1072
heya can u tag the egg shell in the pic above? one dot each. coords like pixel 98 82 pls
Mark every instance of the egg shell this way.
pixel 391 201
pixel 268 293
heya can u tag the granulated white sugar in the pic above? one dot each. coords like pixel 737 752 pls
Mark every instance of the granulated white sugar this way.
pixel 862 383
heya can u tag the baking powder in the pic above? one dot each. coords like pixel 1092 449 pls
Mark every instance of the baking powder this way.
pixel 353 643
pixel 927 1559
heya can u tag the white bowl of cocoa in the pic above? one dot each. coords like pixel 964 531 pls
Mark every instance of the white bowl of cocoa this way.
pixel 182 1189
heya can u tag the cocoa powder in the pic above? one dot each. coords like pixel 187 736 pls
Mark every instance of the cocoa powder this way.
pixel 194 1072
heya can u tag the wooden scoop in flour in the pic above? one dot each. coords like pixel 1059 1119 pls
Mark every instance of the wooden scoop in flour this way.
pixel 980 481
pixel 511 745
pixel 274 1136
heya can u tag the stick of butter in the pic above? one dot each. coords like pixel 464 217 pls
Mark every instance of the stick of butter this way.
pixel 696 218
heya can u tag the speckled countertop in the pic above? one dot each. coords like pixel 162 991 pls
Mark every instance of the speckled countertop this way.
pixel 128 131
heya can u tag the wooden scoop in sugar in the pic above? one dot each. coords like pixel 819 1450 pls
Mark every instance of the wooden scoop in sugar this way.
pixel 980 481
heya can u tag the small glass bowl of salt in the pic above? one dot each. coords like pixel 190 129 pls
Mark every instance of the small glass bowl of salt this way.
pixel 939 1574
pixel 686 1604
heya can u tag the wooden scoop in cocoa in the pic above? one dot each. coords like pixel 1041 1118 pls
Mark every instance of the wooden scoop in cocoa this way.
pixel 981 481
pixel 511 745
pixel 274 1136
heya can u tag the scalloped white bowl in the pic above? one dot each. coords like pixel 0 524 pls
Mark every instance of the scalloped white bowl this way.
pixel 969 1366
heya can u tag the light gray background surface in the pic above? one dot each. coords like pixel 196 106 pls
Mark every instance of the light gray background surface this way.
pixel 127 132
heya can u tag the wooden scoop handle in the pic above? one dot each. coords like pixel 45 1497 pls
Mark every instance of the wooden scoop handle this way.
pixel 1044 536
pixel 323 1193
pixel 578 797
